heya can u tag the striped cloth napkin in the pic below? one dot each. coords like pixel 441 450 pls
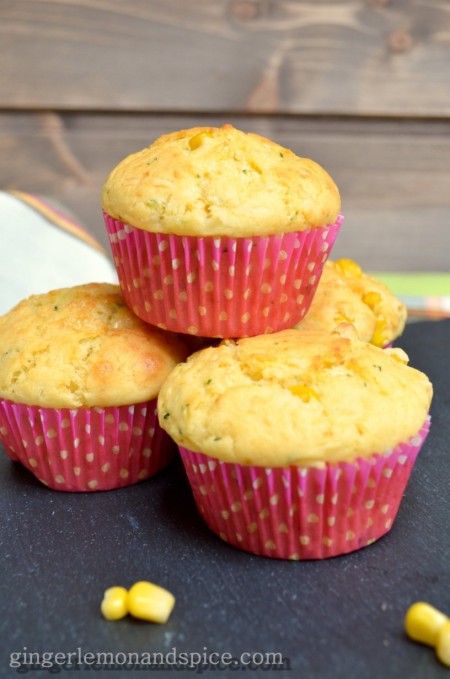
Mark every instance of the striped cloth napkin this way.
pixel 43 248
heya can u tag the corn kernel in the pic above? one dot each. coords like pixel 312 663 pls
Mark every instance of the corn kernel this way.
pixel 423 622
pixel 197 140
pixel 150 602
pixel 443 644
pixel 371 299
pixel 114 604
pixel 380 334
pixel 348 268
pixel 398 354
pixel 341 317
pixel 304 392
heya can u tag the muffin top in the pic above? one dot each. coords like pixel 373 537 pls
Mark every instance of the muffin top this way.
pixel 209 181
pixel 82 346
pixel 294 398
pixel 346 294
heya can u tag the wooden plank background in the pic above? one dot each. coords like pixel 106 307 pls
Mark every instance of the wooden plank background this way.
pixel 367 57
pixel 361 86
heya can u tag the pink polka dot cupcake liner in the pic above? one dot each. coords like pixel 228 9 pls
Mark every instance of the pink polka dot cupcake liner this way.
pixel 86 449
pixel 219 287
pixel 302 513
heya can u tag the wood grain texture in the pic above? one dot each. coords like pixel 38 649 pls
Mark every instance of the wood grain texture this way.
pixel 382 57
pixel 394 177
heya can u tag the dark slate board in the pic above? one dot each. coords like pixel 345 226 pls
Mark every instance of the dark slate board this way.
pixel 341 618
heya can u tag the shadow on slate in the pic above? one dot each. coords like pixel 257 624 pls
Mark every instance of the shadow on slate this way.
pixel 337 619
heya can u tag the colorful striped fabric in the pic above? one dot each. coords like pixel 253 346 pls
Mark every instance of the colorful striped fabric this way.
pixel 58 218
pixel 43 248
pixel 427 307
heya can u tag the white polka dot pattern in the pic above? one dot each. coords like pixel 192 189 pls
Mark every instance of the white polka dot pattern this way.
pixel 220 287
pixel 86 449
pixel 295 513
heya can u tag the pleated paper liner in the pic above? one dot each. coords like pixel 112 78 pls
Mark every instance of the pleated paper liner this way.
pixel 219 287
pixel 302 513
pixel 86 449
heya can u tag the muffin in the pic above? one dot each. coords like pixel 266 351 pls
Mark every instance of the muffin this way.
pixel 346 294
pixel 79 377
pixel 297 445
pixel 219 233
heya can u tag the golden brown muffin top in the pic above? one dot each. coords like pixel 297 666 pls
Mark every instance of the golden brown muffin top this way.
pixel 82 346
pixel 294 398
pixel 346 294
pixel 220 182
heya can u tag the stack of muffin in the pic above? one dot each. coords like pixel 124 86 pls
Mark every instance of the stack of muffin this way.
pixel 297 430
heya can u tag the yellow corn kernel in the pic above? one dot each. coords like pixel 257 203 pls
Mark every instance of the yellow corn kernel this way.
pixel 304 392
pixel 341 317
pixel 443 644
pixel 150 602
pixel 371 299
pixel 348 268
pixel 380 334
pixel 114 604
pixel 423 622
pixel 398 354
pixel 198 139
